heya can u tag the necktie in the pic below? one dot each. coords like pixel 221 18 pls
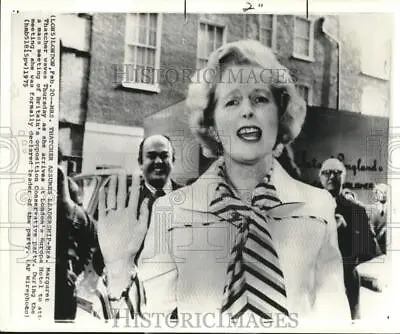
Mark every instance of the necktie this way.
pixel 146 193
pixel 153 197
pixel 254 281
pixel 159 193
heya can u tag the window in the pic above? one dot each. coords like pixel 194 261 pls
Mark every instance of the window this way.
pixel 303 38
pixel 305 92
pixel 267 24
pixel 142 51
pixel 210 37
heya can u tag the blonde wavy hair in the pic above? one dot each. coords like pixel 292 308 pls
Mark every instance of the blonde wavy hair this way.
pixel 201 98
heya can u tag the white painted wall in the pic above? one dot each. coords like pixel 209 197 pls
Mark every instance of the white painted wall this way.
pixel 106 144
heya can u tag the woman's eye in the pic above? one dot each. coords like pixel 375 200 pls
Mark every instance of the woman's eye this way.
pixel 260 99
pixel 233 102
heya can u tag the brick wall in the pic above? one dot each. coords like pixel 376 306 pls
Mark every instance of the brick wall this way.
pixel 75 34
pixel 75 58
pixel 110 103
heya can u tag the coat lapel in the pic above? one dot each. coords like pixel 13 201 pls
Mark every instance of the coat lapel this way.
pixel 288 189
pixel 200 193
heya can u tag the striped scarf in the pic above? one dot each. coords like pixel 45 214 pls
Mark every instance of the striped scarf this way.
pixel 254 281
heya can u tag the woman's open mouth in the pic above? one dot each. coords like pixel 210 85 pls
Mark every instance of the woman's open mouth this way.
pixel 249 133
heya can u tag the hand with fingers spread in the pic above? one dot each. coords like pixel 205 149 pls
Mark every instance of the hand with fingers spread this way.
pixel 120 234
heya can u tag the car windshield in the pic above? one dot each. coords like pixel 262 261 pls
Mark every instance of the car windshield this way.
pixel 87 187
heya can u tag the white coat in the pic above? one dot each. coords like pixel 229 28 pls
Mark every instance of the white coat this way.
pixel 184 262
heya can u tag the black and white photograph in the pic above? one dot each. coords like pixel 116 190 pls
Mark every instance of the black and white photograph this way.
pixel 264 137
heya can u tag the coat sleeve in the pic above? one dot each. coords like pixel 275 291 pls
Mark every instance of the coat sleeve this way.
pixel 330 297
pixel 366 247
pixel 157 269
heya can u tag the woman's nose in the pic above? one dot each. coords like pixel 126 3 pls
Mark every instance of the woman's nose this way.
pixel 247 110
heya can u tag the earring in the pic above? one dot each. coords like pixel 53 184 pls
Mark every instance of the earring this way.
pixel 278 150
pixel 214 134
pixel 217 144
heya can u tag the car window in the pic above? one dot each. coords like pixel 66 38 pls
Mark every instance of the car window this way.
pixel 87 186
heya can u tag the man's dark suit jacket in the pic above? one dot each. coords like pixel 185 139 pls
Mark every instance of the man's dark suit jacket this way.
pixel 146 193
pixel 357 242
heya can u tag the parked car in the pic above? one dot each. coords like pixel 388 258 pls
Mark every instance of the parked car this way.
pixel 90 184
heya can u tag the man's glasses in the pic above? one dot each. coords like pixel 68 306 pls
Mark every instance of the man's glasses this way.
pixel 335 172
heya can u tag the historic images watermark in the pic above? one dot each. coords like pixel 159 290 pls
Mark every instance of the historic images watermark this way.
pixel 133 74
pixel 123 319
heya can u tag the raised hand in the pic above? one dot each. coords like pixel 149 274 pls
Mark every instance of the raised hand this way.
pixel 120 234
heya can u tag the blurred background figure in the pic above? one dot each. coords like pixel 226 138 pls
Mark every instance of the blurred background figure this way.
pixel 357 241
pixel 377 212
pixel 75 235
pixel 350 195
pixel 285 156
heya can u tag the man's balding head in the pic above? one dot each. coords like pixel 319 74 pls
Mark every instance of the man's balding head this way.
pixel 332 175
pixel 156 158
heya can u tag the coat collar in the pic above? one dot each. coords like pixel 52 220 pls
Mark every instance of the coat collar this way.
pixel 168 187
pixel 200 193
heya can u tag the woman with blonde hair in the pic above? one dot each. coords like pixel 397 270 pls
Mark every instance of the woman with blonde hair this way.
pixel 245 239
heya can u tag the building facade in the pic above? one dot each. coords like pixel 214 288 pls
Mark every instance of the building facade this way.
pixel 75 53
pixel 330 65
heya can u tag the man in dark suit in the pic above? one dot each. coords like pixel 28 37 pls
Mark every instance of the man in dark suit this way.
pixel 156 159
pixel 357 242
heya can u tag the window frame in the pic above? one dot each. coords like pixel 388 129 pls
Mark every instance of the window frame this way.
pixel 296 55
pixel 274 31
pixel 151 87
pixel 310 92
pixel 216 25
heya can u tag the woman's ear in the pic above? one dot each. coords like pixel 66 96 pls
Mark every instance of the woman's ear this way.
pixel 210 142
